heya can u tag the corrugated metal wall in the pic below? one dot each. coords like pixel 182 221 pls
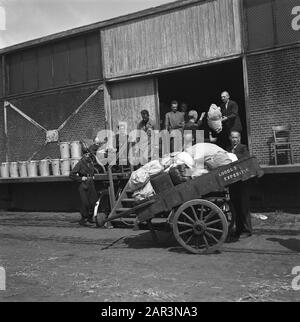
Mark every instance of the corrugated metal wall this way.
pixel 67 62
pixel 271 23
pixel 129 98
pixel 197 33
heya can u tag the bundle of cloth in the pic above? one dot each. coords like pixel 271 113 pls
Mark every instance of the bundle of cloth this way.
pixel 139 182
pixel 209 156
pixel 214 118
pixel 197 160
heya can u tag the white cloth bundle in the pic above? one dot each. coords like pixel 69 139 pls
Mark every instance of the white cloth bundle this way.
pixel 145 192
pixel 209 155
pixel 214 117
pixel 141 176
pixel 217 160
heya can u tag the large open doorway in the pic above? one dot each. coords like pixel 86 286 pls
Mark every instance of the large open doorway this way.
pixel 201 86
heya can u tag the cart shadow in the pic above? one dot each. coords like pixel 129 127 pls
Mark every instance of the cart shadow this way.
pixel 145 240
pixel 292 244
pixel 166 240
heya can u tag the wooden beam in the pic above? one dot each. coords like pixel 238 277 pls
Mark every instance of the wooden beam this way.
pixel 157 110
pixel 29 119
pixel 53 90
pixel 272 49
pixel 247 102
pixel 244 26
pixel 173 69
pixel 100 87
pixel 3 76
pixel 107 108
pixel 5 131
pixel 284 168
pixel 98 177
pixel 106 94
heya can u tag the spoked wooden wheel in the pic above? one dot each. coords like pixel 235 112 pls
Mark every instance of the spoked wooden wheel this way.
pixel 227 207
pixel 200 226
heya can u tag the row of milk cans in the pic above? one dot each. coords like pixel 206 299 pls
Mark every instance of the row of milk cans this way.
pixel 70 153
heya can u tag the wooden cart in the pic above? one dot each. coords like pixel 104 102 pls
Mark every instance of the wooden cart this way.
pixel 198 224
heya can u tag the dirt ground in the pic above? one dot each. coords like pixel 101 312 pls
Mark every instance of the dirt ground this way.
pixel 49 257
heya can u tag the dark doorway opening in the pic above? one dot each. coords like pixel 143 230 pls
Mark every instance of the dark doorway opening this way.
pixel 202 86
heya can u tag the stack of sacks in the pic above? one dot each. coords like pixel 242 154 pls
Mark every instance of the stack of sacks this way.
pixel 217 160
pixel 214 117
pixel 139 181
pixel 184 158
pixel 143 193
pixel 198 158
pixel 177 158
pixel 208 156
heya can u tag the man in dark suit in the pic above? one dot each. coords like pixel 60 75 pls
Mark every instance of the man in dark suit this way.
pixel 239 192
pixel 230 120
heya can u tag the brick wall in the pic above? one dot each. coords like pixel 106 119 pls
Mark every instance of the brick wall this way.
pixel 2 142
pixel 51 110
pixel 274 92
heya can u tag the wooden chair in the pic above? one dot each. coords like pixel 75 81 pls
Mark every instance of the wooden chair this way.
pixel 281 142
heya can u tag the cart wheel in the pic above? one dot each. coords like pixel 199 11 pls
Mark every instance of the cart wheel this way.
pixel 100 219
pixel 200 226
pixel 227 207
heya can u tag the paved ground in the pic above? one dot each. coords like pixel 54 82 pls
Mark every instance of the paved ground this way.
pixel 48 257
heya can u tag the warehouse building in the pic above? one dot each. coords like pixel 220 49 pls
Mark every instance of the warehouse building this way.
pixel 80 81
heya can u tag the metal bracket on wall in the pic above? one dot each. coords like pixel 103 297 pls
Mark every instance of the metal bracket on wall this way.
pixel 52 136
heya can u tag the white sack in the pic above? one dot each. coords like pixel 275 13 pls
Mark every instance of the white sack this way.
pixel 217 160
pixel 214 117
pixel 141 176
pixel 146 192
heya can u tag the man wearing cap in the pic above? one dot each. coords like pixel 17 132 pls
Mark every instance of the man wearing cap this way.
pixel 83 172
pixel 96 145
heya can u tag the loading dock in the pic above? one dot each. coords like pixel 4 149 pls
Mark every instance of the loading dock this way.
pixel 220 44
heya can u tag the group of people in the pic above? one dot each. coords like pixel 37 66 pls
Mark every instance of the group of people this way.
pixel 227 136
pixel 180 118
